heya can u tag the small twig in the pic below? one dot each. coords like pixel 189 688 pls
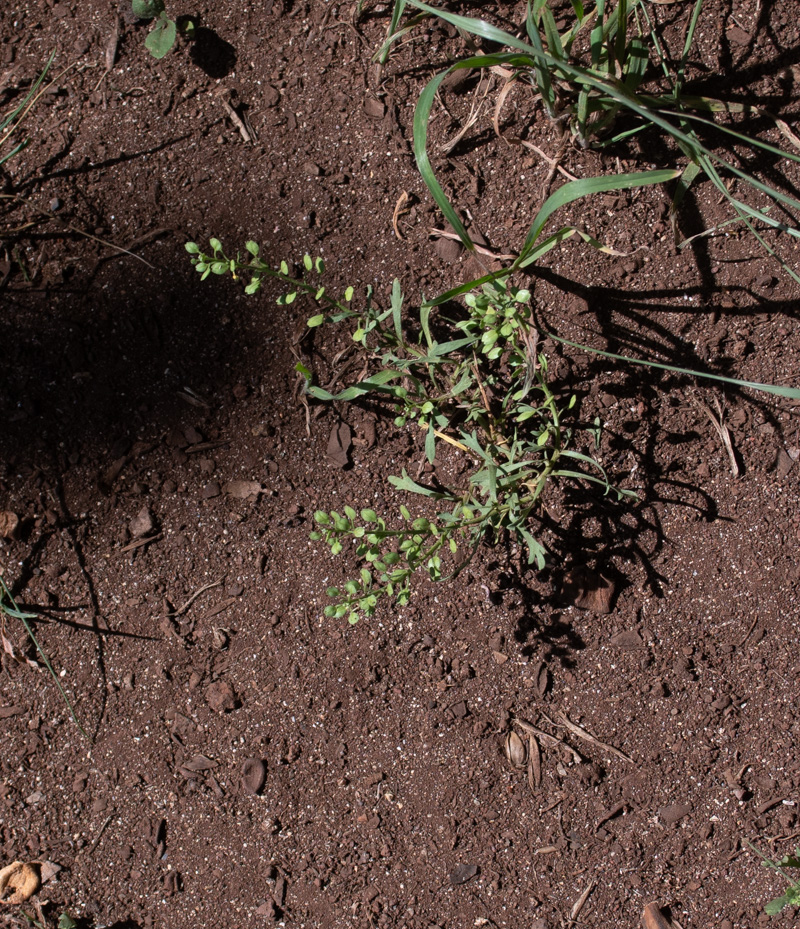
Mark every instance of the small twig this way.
pixel 718 422
pixel 400 209
pixel 472 118
pixel 587 736
pixel 548 739
pixel 534 763
pixel 100 832
pixel 749 632
pixel 480 249
pixel 182 609
pixel 139 543
pixel 234 116
pixel 552 806
pixel 579 903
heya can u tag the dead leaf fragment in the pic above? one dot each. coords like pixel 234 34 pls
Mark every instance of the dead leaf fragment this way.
pixel 588 590
pixel 243 489
pixel 534 763
pixel 339 443
pixel 48 870
pixel 9 524
pixel 19 882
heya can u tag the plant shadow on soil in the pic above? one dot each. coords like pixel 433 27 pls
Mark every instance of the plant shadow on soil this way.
pixel 67 384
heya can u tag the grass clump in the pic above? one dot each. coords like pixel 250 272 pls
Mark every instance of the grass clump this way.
pixel 606 90
pixel 11 123
pixel 476 381
pixel 8 607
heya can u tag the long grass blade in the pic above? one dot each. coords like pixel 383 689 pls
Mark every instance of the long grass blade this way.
pixel 791 393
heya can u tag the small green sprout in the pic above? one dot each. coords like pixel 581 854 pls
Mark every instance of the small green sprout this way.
pixel 162 36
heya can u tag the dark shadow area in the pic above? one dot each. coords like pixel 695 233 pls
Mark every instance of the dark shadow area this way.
pixel 212 54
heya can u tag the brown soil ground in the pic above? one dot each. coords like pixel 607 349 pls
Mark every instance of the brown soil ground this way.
pixel 129 389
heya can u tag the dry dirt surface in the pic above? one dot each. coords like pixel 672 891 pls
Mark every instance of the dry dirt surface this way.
pixel 248 761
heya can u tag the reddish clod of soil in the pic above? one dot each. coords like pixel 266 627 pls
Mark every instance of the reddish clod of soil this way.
pixel 250 762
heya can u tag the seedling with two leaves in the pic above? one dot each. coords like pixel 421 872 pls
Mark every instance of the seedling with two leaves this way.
pixel 162 36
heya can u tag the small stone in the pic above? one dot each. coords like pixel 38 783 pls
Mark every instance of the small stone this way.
pixel 784 463
pixel 463 873
pixel 675 812
pixel 242 489
pixel 448 250
pixel 588 590
pixel 141 524
pixel 55 204
pixel 210 491
pixel 220 697
pixel 374 108
pixel 254 774
pixel 629 639
pixel 9 524
pixel 311 170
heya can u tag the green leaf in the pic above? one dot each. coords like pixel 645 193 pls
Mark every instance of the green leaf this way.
pixel 369 516
pixel 192 248
pixel 774 907
pixel 308 264
pixel 215 244
pixel 430 444
pixel 397 306
pixel 321 517
pixel 147 9
pixel 348 294
pixel 252 247
pixel 317 320
pixel 284 269
pixel 162 37
pixel 406 483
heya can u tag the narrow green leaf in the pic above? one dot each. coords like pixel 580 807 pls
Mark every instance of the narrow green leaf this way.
pixel 430 444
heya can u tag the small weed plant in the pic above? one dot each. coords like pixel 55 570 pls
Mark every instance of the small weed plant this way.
pixel 477 382
pixel 792 895
pixel 162 36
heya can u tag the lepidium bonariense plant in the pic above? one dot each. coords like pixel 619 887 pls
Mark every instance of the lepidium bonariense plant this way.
pixel 480 384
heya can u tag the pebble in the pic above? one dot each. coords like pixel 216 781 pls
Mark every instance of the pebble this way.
pixel 675 812
pixel 141 524
pixel 220 697
pixel 254 774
